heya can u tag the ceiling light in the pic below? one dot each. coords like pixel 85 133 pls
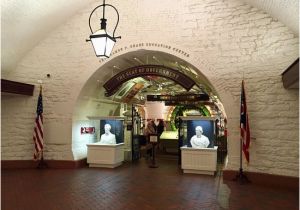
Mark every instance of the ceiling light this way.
pixel 116 67
pixel 138 60
pixel 102 42
pixel 156 59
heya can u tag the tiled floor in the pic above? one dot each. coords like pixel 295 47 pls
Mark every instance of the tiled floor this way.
pixel 134 186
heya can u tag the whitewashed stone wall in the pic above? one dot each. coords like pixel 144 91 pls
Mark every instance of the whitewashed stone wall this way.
pixel 226 40
pixel 80 140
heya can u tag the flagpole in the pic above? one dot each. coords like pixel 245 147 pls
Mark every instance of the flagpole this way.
pixel 38 136
pixel 241 154
pixel 241 141
pixel 42 164
pixel 240 176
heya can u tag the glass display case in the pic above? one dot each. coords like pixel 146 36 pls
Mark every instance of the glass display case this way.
pixel 111 131
pixel 169 142
pixel 138 138
pixel 108 151
pixel 198 150
pixel 197 132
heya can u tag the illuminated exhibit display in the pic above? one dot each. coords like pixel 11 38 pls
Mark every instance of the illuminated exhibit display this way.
pixel 169 141
pixel 200 133
pixel 111 131
pixel 199 140
pixel 198 153
pixel 108 137
pixel 108 152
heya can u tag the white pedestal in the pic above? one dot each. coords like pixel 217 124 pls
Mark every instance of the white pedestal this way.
pixel 199 161
pixel 105 155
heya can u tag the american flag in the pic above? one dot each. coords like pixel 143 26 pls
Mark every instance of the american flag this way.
pixel 244 124
pixel 38 134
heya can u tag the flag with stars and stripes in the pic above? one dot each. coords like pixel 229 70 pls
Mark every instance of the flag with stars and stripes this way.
pixel 38 134
pixel 244 125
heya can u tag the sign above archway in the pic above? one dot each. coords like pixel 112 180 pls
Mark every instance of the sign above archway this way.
pixel 112 85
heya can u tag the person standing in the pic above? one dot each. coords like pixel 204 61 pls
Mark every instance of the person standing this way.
pixel 150 130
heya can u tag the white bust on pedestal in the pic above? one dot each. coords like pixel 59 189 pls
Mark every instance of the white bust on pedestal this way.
pixel 107 137
pixel 199 140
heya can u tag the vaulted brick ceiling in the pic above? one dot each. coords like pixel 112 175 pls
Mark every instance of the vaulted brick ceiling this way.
pixel 25 23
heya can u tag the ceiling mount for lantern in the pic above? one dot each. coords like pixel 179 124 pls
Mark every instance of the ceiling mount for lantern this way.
pixel 102 42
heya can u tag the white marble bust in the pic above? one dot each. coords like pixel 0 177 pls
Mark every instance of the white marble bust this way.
pixel 199 140
pixel 107 137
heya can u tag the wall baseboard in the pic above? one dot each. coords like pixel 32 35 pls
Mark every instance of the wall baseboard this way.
pixel 267 180
pixel 62 164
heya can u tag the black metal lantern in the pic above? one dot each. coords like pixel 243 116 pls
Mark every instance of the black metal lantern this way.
pixel 102 42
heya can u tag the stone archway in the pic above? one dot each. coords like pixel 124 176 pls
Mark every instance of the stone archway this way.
pixel 92 101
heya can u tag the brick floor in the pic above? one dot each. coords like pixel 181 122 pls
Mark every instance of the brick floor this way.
pixel 134 186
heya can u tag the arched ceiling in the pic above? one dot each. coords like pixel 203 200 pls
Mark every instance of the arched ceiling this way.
pixel 150 85
pixel 136 90
pixel 25 23
pixel 286 11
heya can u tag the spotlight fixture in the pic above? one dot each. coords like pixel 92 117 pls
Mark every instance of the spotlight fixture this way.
pixel 102 42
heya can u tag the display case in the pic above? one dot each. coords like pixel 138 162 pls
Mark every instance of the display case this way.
pixel 108 151
pixel 169 141
pixel 116 129
pixel 138 138
pixel 197 132
pixel 198 151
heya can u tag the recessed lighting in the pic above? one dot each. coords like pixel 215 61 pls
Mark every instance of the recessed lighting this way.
pixel 116 67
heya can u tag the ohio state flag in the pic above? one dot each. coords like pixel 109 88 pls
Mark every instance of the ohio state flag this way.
pixel 244 124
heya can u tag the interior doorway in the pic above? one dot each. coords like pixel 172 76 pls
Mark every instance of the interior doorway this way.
pixel 155 118
pixel 159 97
pixel 147 86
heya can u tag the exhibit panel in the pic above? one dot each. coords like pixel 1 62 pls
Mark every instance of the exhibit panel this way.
pixel 198 153
pixel 108 151
pixel 169 141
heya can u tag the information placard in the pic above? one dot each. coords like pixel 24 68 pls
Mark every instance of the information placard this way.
pixel 153 139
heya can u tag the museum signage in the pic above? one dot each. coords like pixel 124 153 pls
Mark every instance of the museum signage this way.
pixel 188 103
pixel 112 85
pixel 177 98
